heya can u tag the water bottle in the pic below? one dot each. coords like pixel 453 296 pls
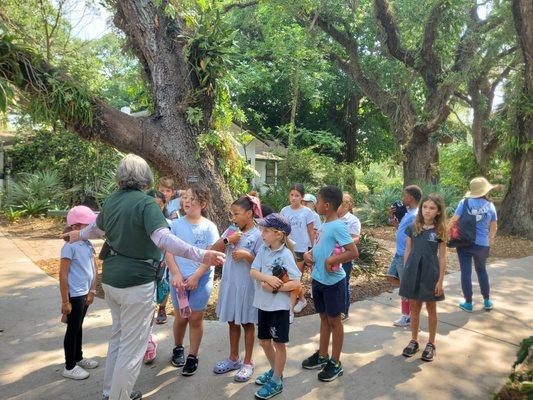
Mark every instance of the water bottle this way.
pixel 183 301
pixel 336 251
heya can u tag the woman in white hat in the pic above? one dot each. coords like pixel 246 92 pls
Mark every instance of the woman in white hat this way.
pixel 486 227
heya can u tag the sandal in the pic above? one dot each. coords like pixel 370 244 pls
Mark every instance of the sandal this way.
pixel 227 365
pixel 245 373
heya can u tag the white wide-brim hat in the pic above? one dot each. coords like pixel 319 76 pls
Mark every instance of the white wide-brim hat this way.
pixel 479 187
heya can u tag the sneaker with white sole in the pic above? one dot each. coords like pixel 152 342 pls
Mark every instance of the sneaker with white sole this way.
pixel 77 373
pixel 404 321
pixel 88 363
pixel 300 305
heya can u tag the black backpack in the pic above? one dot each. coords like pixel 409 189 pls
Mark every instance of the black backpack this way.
pixel 463 231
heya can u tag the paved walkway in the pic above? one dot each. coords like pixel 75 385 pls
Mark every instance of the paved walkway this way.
pixel 475 351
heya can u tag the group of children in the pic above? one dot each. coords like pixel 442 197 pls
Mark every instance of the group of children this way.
pixel 261 278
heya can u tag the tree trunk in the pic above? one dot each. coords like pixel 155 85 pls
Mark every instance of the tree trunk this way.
pixel 351 125
pixel 420 163
pixel 167 140
pixel 516 214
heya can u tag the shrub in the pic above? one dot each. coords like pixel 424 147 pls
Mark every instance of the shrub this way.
pixel 368 248
pixel 34 193
pixel 375 210
pixel 80 165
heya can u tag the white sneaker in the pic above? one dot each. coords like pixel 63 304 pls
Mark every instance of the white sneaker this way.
pixel 404 321
pixel 300 305
pixel 77 373
pixel 88 363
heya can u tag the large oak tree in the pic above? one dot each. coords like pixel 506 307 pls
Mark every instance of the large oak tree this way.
pixel 168 139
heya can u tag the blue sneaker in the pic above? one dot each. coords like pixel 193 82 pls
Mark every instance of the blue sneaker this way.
pixel 269 390
pixel 487 304
pixel 465 306
pixel 264 377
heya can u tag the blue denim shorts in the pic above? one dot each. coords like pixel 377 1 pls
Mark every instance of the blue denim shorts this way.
pixel 197 298
pixel 396 267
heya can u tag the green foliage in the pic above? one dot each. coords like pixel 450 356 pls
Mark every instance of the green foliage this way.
pixel 457 166
pixel 236 171
pixel 373 179
pixel 47 96
pixel 368 248
pixel 375 209
pixel 277 196
pixel 32 194
pixel 322 142
pixel 81 165
pixel 210 44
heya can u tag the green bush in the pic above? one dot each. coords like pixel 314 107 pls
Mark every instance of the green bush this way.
pixel 80 165
pixel 375 209
pixel 32 194
pixel 368 248
pixel 457 166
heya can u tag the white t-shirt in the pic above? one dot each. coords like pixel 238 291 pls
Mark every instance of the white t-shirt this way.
pixel 352 223
pixel 299 219
pixel 317 223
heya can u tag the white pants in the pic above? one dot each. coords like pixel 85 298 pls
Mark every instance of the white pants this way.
pixel 131 310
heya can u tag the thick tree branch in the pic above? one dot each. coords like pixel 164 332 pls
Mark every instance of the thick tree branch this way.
pixel 153 37
pixel 386 18
pixel 231 6
pixel 353 67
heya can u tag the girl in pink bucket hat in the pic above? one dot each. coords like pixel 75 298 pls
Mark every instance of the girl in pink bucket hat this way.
pixel 77 285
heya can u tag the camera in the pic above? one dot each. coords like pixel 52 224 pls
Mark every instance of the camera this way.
pixel 399 210
pixel 280 272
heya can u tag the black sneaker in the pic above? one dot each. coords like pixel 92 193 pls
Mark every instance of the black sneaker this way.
pixel 411 349
pixel 330 372
pixel 136 395
pixel 429 352
pixel 191 365
pixel 316 361
pixel 178 357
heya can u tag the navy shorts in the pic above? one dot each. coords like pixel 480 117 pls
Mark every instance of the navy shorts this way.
pixel 273 325
pixel 329 299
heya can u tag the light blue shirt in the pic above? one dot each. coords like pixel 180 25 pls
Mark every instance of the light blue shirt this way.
pixel 264 261
pixel 299 219
pixel 81 271
pixel 485 213
pixel 329 235
pixel 173 208
pixel 401 237
pixel 200 235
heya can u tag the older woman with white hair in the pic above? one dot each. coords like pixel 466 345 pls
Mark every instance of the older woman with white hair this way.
pixel 136 231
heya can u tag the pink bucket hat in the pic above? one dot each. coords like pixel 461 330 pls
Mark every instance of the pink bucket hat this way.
pixel 80 215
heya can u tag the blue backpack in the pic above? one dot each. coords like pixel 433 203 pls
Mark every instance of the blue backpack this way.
pixel 463 231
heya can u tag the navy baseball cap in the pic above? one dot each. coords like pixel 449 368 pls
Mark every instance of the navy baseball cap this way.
pixel 275 221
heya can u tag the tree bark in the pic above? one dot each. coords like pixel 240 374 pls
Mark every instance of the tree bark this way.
pixel 420 163
pixel 351 124
pixel 166 140
pixel 516 216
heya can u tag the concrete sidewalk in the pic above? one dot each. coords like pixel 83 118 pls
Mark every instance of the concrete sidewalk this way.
pixel 475 351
